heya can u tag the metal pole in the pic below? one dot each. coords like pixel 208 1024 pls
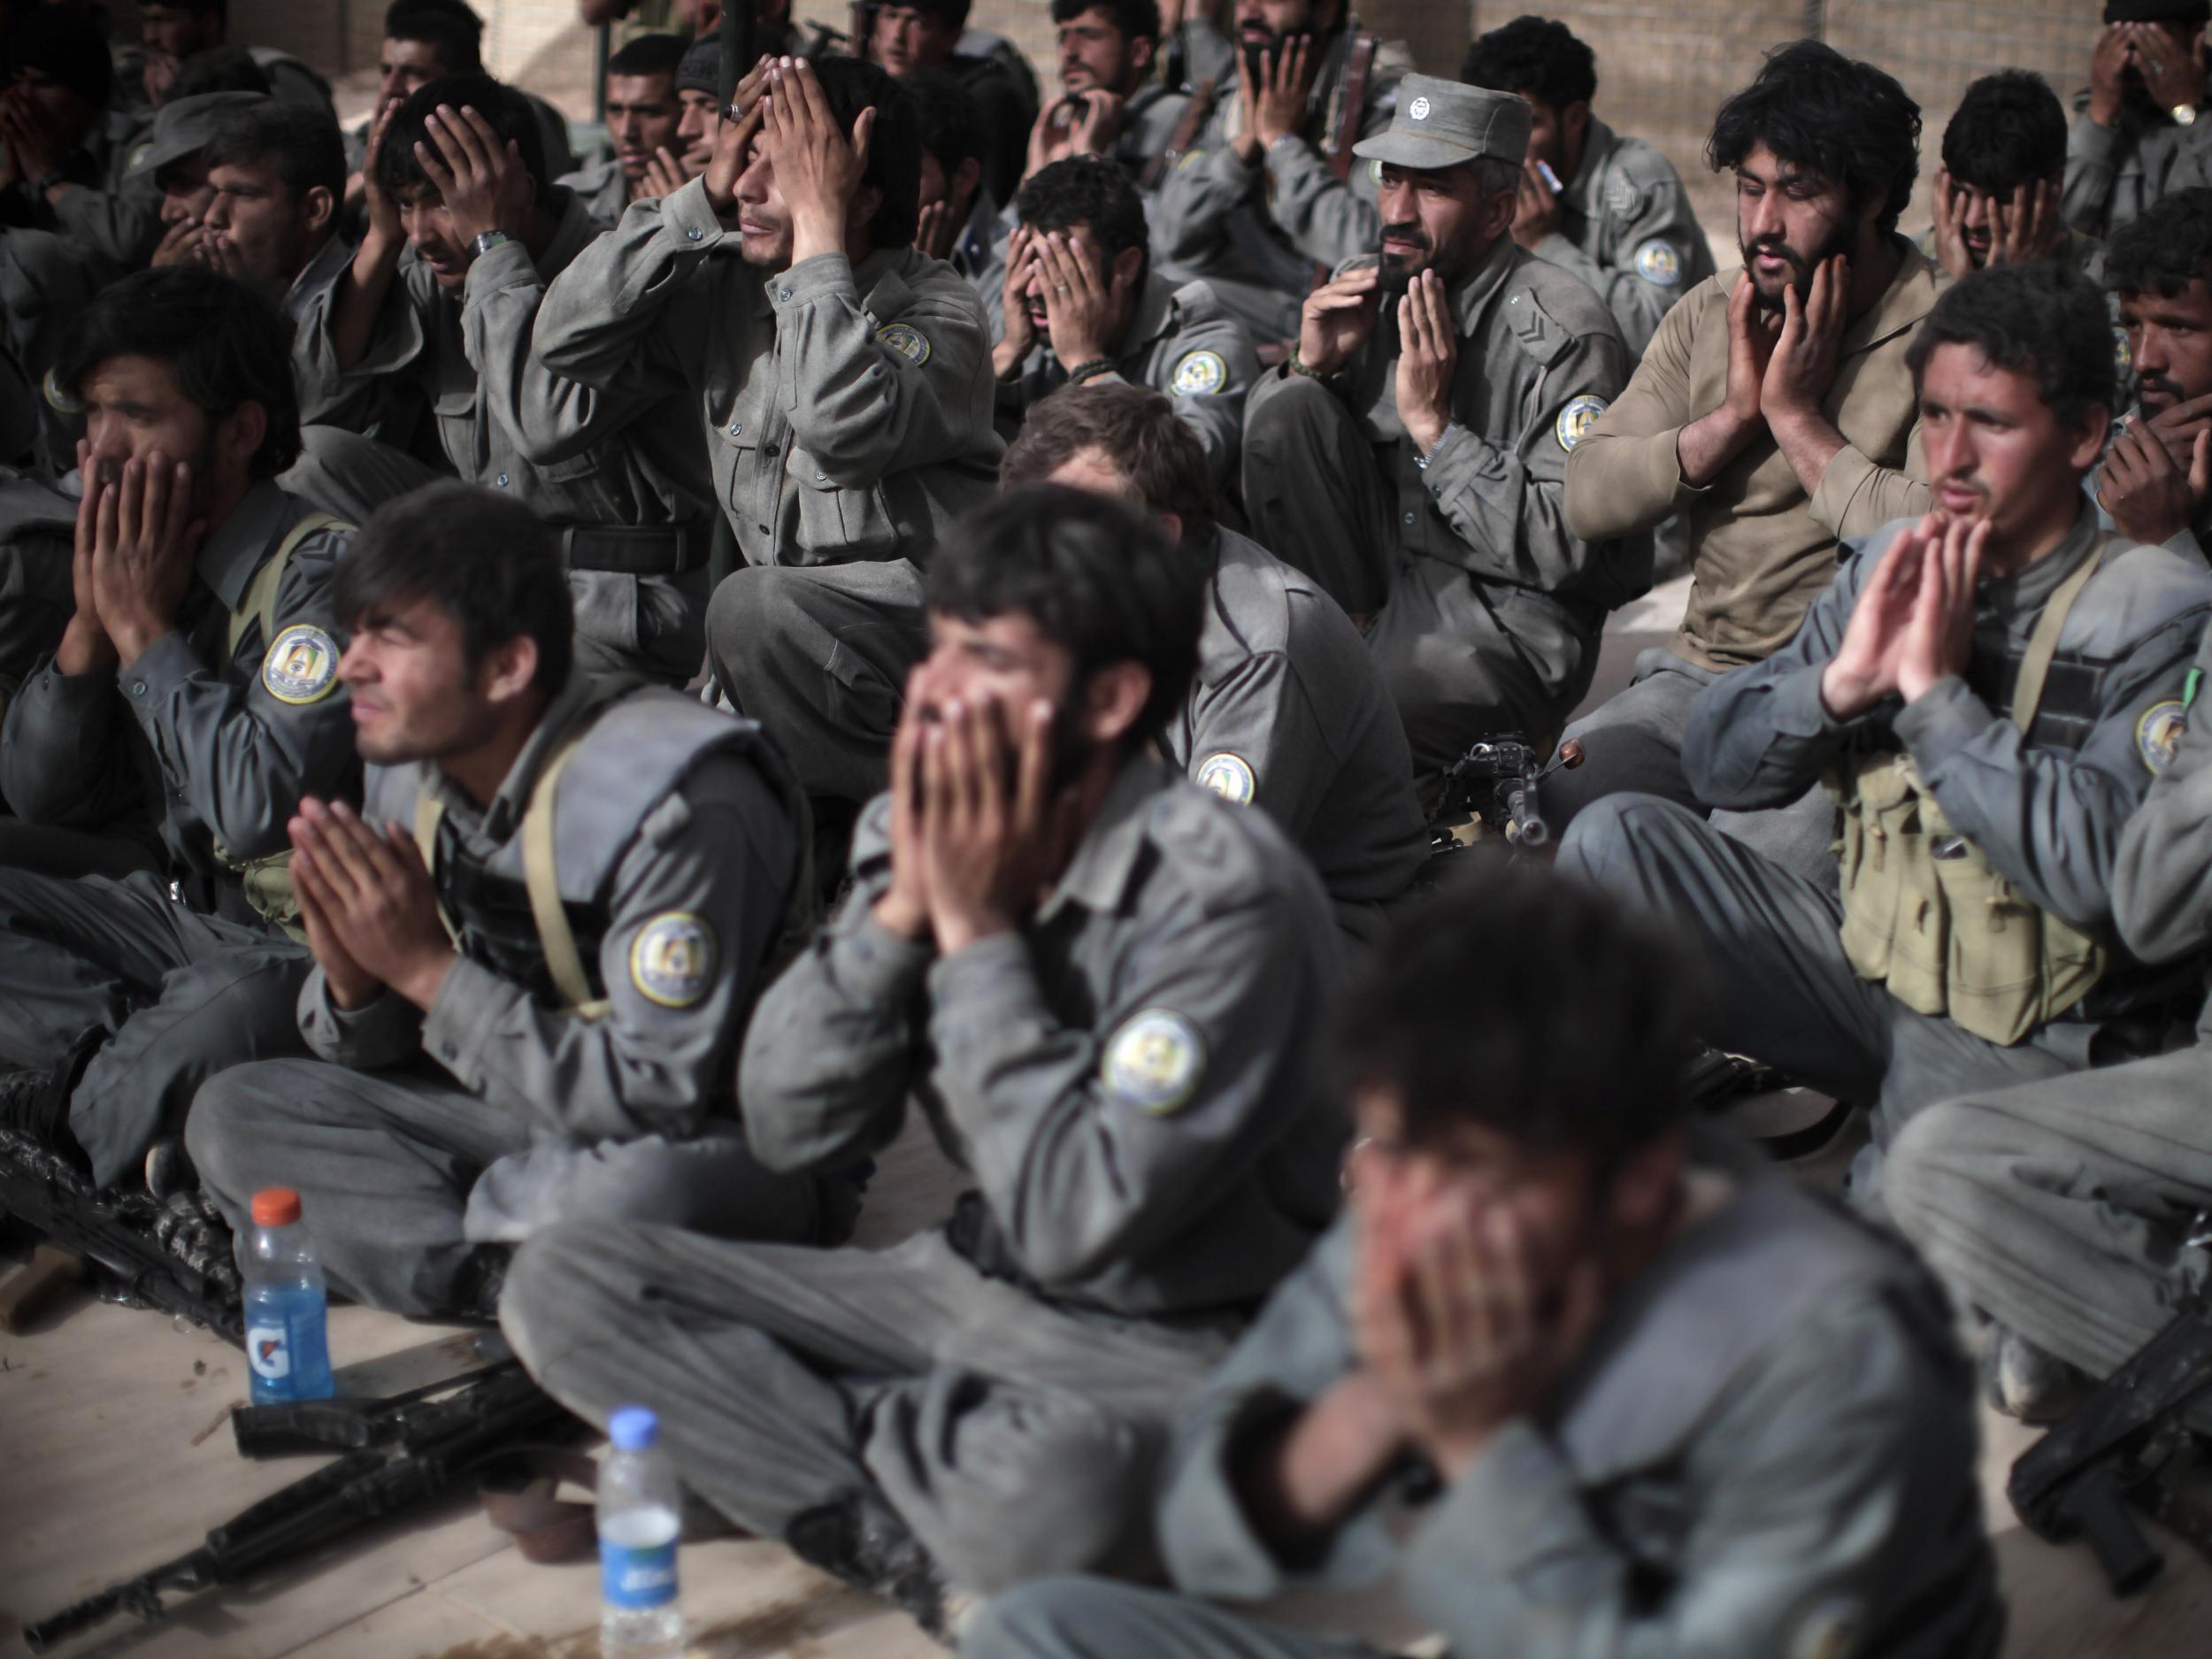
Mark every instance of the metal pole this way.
pixel 601 39
pixel 738 54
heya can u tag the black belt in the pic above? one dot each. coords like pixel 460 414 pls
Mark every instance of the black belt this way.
pixel 657 550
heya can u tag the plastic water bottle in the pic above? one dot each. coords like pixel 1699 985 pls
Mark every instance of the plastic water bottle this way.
pixel 640 1513
pixel 288 1343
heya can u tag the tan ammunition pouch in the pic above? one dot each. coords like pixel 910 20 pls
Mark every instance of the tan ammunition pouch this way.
pixel 1925 912
pixel 268 880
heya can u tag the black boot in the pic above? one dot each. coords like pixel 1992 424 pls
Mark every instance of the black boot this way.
pixel 860 1542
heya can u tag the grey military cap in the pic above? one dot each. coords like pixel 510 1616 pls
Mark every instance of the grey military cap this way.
pixel 185 126
pixel 1447 124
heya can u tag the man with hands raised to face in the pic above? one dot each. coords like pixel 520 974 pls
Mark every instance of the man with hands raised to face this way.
pixel 1772 411
pixel 1410 456
pixel 844 381
pixel 2155 481
pixel 1084 306
pixel 1114 102
pixel 1568 1377
pixel 465 233
pixel 1986 691
pixel 2136 137
pixel 615 864
pixel 1996 196
pixel 200 655
pixel 1100 982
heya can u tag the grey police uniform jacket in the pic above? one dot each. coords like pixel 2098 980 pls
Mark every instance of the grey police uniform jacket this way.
pixel 2114 174
pixel 1130 1078
pixel 1288 712
pixel 1627 230
pixel 2047 809
pixel 1257 231
pixel 1766 1448
pixel 2162 877
pixel 676 840
pixel 1182 344
pixel 601 187
pixel 236 737
pixel 113 216
pixel 1540 359
pixel 847 412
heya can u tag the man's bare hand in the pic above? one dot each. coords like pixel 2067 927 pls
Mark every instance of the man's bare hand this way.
pixel 935 230
pixel 1863 671
pixel 352 986
pixel 1948 203
pixel 1273 102
pixel 1017 335
pixel 1428 356
pixel 1939 639
pixel 1536 208
pixel 1338 320
pixel 144 542
pixel 1802 366
pixel 992 832
pixel 1080 298
pixel 2025 227
pixel 187 244
pixel 2107 64
pixel 904 907
pixel 377 900
pixel 85 645
pixel 483 182
pixel 384 227
pixel 2151 498
pixel 818 166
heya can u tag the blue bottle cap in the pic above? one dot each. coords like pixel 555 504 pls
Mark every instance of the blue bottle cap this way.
pixel 633 1428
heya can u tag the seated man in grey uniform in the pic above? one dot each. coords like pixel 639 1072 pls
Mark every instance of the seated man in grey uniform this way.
pixel 64 153
pixel 1287 710
pixel 172 31
pixel 2155 483
pixel 174 157
pixel 844 381
pixel 1268 190
pixel 276 176
pixel 2064 1212
pixel 2136 137
pixel 1100 983
pixel 1995 199
pixel 907 36
pixel 1610 209
pixel 958 220
pixel 1986 693
pixel 1084 306
pixel 1568 1378
pixel 464 234
pixel 1114 102
pixel 1411 456
pixel 195 682
pixel 642 116
pixel 535 945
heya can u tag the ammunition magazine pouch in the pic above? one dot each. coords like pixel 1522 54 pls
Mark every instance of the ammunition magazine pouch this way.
pixel 1927 914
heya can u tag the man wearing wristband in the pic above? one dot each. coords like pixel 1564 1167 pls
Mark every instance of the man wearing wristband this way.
pixel 1083 305
pixel 1411 456
pixel 2136 137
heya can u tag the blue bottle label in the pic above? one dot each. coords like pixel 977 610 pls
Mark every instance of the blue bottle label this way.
pixel 637 1577
pixel 269 1350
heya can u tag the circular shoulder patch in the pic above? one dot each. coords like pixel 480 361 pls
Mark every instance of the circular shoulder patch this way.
pixel 1624 198
pixel 301 665
pixel 1192 157
pixel 1199 374
pixel 1657 261
pixel 908 340
pixel 2123 354
pixel 1578 418
pixel 1153 1061
pixel 1229 777
pixel 672 960
pixel 2158 734
pixel 59 397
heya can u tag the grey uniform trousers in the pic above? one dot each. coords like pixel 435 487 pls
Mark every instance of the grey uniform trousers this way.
pixel 1091 1618
pixel 1012 1438
pixel 1631 744
pixel 180 995
pixel 625 625
pixel 1779 986
pixel 818 654
pixel 2062 1208
pixel 1318 502
pixel 401 1173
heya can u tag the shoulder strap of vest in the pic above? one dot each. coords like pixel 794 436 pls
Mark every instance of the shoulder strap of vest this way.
pixel 259 604
pixel 2035 665
pixel 429 813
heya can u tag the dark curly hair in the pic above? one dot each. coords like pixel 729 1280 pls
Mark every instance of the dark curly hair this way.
pixel 2009 130
pixel 1540 57
pixel 1136 19
pixel 2045 318
pixel 1813 107
pixel 2162 252
pixel 227 344
pixel 1135 426
pixel 1085 190
pixel 397 166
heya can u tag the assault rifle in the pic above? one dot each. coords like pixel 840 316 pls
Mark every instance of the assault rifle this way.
pixel 414 1450
pixel 1496 780
pixel 2122 1447
pixel 114 1233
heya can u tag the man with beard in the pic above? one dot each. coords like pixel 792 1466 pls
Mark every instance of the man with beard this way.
pixel 2136 135
pixel 1773 410
pixel 465 233
pixel 1609 208
pixel 1986 692
pixel 1256 203
pixel 1113 102
pixel 173 30
pixel 1568 1377
pixel 616 865
pixel 1410 455
pixel 642 116
pixel 844 381
pixel 2156 483
pixel 197 679
pixel 1997 198
pixel 1101 983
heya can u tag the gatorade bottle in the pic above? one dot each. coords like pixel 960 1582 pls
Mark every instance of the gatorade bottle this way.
pixel 287 1345
pixel 640 1513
